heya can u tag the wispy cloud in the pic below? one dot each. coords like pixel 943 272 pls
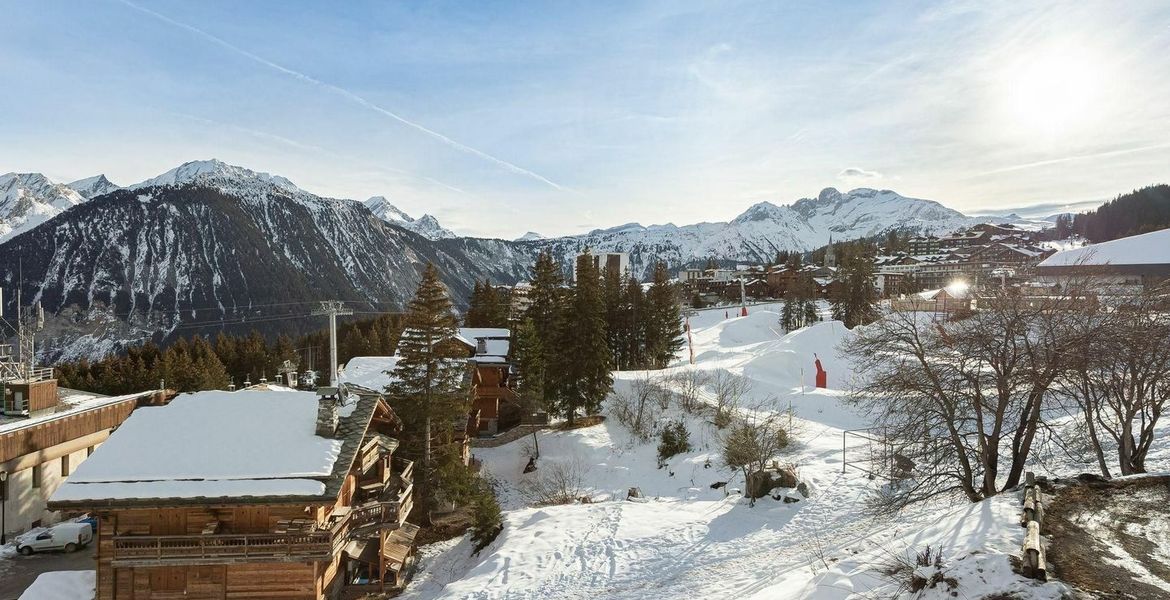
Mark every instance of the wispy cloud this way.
pixel 264 135
pixel 351 96
pixel 1065 159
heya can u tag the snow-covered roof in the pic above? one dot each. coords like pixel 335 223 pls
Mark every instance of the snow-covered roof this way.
pixel 1146 249
pixel 496 341
pixel 71 403
pixel 472 333
pixel 370 372
pixel 211 444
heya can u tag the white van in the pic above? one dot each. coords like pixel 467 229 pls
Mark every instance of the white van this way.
pixel 64 536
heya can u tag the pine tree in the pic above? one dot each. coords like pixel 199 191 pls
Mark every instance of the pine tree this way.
pixel 529 357
pixel 547 301
pixel 615 316
pixel 474 317
pixel 427 392
pixel 634 309
pixel 663 319
pixel 788 312
pixel 583 360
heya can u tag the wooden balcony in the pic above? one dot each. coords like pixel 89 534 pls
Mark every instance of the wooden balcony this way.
pixel 379 514
pixel 215 549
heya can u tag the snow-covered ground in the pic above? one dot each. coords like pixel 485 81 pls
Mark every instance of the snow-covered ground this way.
pixel 62 585
pixel 687 538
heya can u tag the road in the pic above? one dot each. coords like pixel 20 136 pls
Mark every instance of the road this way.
pixel 18 572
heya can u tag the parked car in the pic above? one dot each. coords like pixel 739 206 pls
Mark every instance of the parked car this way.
pixel 69 537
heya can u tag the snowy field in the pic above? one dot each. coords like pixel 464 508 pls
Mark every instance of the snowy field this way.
pixel 688 539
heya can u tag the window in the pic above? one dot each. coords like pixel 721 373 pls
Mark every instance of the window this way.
pixel 65 466
pixel 36 474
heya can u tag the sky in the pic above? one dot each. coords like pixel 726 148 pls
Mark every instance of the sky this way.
pixel 560 117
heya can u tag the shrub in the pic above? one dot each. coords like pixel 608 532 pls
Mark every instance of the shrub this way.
pixel 674 439
pixel 486 519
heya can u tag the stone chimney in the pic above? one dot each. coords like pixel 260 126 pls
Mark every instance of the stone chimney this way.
pixel 327 401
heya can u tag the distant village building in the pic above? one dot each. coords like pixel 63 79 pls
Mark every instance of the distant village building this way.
pixel 618 262
pixel 249 494
pixel 46 432
pixel 1140 261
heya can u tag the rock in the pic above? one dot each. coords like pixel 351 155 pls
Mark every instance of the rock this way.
pixel 718 485
pixel 634 493
pixel 802 487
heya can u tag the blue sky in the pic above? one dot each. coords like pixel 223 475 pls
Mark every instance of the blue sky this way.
pixel 560 117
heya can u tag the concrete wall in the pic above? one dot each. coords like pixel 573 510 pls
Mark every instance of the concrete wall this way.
pixel 26 504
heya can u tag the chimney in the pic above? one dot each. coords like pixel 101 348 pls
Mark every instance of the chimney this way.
pixel 327 401
pixel 481 346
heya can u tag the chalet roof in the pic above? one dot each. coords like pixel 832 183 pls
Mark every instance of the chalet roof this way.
pixel 72 402
pixel 370 372
pixel 496 342
pixel 234 447
pixel 1146 249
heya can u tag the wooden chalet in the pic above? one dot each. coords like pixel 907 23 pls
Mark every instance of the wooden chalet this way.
pixel 46 432
pixel 250 494
pixel 495 405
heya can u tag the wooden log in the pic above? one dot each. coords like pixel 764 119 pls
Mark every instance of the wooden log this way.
pixel 1033 553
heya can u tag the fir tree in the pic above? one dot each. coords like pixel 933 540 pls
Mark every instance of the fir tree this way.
pixel 615 316
pixel 663 319
pixel 427 392
pixel 583 365
pixel 547 301
pixel 529 356
pixel 634 324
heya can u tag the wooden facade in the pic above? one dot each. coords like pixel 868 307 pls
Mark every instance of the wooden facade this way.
pixel 355 537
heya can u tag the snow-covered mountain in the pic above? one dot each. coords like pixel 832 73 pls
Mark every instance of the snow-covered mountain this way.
pixel 201 246
pixel 426 226
pixel 92 187
pixel 29 199
pixel 766 228
pixel 531 236
pixel 205 241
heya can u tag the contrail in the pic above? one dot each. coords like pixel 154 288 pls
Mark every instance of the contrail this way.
pixel 318 149
pixel 1054 161
pixel 350 95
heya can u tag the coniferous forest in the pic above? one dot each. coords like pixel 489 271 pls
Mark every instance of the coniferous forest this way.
pixel 1140 211
pixel 204 363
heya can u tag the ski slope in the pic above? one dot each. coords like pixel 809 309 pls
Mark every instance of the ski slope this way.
pixel 687 538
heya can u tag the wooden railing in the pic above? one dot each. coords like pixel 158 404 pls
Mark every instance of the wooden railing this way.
pixel 382 512
pixel 404 469
pixel 223 548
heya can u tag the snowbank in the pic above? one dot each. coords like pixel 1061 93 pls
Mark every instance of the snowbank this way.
pixel 62 585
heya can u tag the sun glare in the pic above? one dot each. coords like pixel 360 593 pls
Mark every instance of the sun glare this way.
pixel 1053 92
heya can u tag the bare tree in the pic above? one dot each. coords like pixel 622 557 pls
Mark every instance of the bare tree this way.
pixel 729 391
pixel 1120 378
pixel 555 483
pixel 640 407
pixel 752 440
pixel 954 397
pixel 688 385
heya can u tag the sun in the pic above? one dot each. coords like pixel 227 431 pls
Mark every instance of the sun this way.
pixel 1053 92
